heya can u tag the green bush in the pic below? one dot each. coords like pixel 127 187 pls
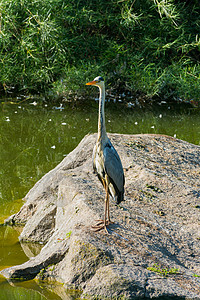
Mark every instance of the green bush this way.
pixel 148 46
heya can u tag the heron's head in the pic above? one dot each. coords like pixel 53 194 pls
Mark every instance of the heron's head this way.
pixel 98 81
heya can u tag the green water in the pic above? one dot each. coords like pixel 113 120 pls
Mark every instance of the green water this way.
pixel 34 139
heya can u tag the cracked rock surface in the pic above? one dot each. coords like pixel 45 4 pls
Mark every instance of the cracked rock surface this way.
pixel 152 249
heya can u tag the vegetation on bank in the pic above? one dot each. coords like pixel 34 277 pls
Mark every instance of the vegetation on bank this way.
pixel 147 47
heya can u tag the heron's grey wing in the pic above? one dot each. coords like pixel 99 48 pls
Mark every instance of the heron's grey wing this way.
pixel 113 166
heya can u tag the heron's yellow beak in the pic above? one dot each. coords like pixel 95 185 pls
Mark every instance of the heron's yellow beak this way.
pixel 91 82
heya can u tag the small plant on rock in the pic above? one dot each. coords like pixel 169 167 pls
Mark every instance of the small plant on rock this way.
pixel 163 271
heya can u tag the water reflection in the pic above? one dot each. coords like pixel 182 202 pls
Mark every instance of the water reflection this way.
pixel 34 290
pixel 11 252
pixel 35 138
pixel 31 249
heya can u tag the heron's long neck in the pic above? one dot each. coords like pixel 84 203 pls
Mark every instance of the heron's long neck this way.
pixel 101 122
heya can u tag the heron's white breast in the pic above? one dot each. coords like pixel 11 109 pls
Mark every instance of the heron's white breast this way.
pixel 98 160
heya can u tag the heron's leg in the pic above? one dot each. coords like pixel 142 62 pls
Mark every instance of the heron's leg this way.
pixel 103 223
pixel 105 211
pixel 106 221
pixel 108 211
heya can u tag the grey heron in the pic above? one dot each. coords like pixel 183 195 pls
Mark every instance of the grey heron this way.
pixel 106 161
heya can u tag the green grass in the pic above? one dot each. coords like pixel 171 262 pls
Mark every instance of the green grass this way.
pixel 163 271
pixel 68 234
pixel 150 47
pixel 196 275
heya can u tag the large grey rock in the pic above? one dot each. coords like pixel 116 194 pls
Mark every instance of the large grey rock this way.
pixel 157 227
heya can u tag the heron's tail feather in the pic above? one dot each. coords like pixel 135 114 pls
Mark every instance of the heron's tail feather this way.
pixel 120 197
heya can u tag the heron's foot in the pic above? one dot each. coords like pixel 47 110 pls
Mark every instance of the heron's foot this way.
pixel 100 222
pixel 111 222
pixel 101 225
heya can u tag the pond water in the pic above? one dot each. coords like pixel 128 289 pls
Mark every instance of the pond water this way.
pixel 35 138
